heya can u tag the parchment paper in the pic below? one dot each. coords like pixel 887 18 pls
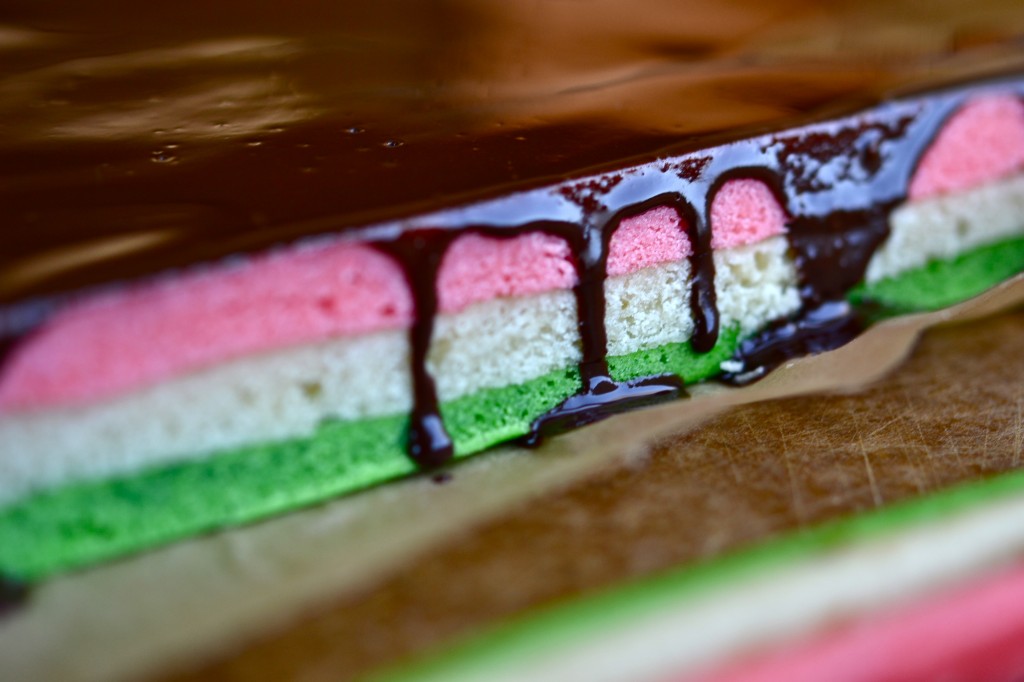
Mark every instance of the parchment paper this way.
pixel 193 599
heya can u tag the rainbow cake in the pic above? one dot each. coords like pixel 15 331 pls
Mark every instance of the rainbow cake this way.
pixel 252 267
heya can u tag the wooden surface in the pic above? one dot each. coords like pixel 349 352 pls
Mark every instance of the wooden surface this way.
pixel 954 412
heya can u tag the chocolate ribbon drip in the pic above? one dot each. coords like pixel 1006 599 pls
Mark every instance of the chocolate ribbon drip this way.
pixel 7 346
pixel 832 247
pixel 18 324
pixel 420 254
pixel 600 395
pixel 838 184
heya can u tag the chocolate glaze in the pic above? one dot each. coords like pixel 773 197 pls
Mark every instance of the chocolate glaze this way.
pixel 420 254
pixel 814 330
pixel 837 181
pixel 600 395
pixel 137 140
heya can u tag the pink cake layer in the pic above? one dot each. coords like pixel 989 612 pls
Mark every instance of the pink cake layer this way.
pixel 983 141
pixel 972 635
pixel 119 342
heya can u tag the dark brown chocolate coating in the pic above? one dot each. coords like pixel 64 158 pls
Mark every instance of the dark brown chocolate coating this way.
pixel 837 181
pixel 428 442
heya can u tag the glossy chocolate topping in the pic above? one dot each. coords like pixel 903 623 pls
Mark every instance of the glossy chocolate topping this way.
pixel 420 253
pixel 837 181
pixel 138 138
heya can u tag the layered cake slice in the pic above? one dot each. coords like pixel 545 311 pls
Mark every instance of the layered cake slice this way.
pixel 295 331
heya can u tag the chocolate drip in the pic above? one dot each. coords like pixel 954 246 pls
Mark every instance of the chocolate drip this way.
pixel 420 254
pixel 13 595
pixel 832 253
pixel 838 183
pixel 7 346
pixel 19 323
pixel 835 228
pixel 600 395
pixel 815 330
pixel 703 298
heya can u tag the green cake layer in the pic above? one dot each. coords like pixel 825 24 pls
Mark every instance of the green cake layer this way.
pixel 940 284
pixel 85 523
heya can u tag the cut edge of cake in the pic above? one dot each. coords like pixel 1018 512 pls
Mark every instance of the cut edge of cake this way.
pixel 348 397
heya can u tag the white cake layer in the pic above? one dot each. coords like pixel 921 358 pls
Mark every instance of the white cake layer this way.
pixel 946 226
pixel 286 394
